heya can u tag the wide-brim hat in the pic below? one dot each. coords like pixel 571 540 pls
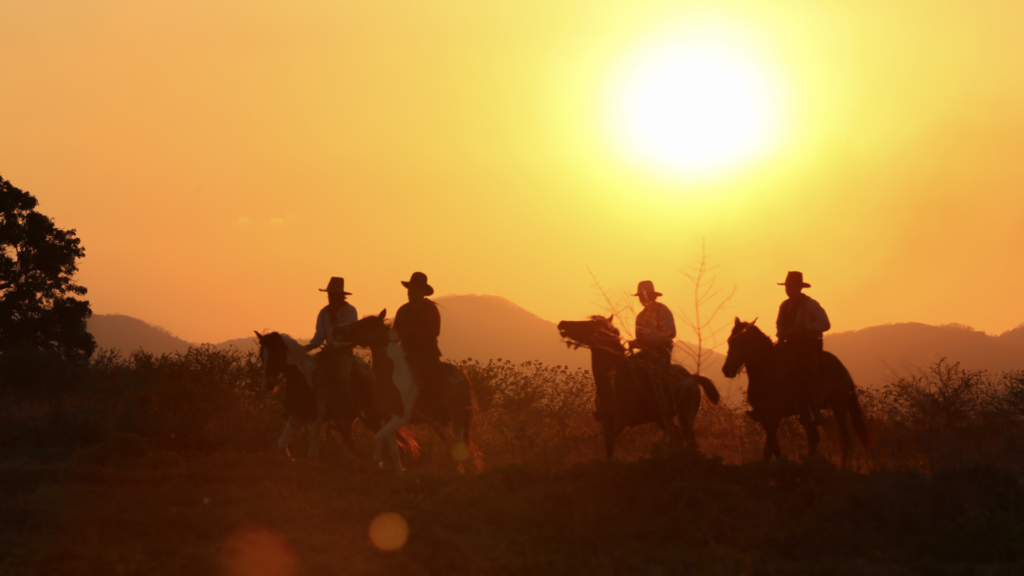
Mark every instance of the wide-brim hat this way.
pixel 336 286
pixel 795 278
pixel 646 286
pixel 419 280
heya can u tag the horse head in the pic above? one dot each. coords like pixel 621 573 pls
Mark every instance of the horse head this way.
pixel 596 333
pixel 369 332
pixel 743 344
pixel 274 355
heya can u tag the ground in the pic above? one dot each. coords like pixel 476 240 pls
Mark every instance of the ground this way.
pixel 122 509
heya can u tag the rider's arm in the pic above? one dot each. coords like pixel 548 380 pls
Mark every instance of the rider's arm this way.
pixel 348 316
pixel 817 320
pixel 668 325
pixel 321 332
pixel 432 324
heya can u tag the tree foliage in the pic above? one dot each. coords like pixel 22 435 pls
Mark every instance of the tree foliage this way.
pixel 39 308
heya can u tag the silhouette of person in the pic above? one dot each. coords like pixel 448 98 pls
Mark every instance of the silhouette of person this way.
pixel 655 329
pixel 336 358
pixel 801 324
pixel 418 323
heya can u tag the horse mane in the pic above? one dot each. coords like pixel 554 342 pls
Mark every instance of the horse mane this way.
pixel 757 331
pixel 296 352
pixel 387 321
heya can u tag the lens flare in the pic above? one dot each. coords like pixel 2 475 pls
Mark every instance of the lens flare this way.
pixel 389 531
pixel 258 551
pixel 461 452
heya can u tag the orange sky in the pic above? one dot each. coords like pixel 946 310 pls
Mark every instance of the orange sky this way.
pixel 221 159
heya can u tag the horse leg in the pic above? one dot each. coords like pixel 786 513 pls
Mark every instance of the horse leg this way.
pixel 839 411
pixel 813 437
pixel 771 441
pixel 379 439
pixel 345 429
pixel 609 440
pixel 396 457
pixel 314 428
pixel 687 407
pixel 388 434
pixel 282 442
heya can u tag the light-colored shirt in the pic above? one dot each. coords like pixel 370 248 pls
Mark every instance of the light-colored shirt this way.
pixel 655 324
pixel 325 322
pixel 810 318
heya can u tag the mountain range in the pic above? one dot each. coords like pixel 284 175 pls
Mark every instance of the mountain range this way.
pixel 492 327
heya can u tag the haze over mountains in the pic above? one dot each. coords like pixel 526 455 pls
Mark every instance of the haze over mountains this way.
pixel 491 327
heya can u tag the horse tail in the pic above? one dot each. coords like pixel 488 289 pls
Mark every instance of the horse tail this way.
pixel 709 389
pixel 408 444
pixel 857 419
pixel 462 417
pixel 860 425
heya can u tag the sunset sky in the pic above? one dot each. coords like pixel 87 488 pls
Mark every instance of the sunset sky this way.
pixel 222 159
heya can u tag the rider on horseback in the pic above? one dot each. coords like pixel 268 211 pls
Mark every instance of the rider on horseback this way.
pixel 418 324
pixel 336 357
pixel 655 329
pixel 800 326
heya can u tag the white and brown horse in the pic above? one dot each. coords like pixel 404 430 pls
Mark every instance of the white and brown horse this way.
pixel 397 393
pixel 286 360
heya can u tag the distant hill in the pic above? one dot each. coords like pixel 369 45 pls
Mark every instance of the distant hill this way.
pixel 127 334
pixel 880 354
pixel 486 327
pixel 244 344
pixel 491 327
pixel 480 327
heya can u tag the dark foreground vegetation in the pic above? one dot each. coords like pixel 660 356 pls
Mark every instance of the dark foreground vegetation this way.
pixel 167 465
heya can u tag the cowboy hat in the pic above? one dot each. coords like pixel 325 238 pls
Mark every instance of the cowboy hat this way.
pixel 336 285
pixel 646 286
pixel 419 279
pixel 795 278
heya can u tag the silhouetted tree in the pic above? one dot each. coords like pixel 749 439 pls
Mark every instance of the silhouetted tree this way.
pixel 38 305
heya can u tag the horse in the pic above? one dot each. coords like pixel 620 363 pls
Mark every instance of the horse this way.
pixel 625 394
pixel 283 357
pixel 396 392
pixel 773 394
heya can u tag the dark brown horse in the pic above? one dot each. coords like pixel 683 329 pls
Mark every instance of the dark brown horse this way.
pixel 772 390
pixel 625 394
pixel 286 360
pixel 396 392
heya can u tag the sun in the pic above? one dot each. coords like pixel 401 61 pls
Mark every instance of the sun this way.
pixel 694 108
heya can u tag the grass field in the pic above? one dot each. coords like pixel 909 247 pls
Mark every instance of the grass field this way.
pixel 167 466
pixel 232 513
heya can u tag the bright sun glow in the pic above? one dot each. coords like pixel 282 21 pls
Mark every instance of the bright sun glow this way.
pixel 694 108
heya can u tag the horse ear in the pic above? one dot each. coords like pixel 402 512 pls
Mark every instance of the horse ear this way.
pixel 259 336
pixel 737 321
pixel 383 314
pixel 755 321
pixel 611 317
